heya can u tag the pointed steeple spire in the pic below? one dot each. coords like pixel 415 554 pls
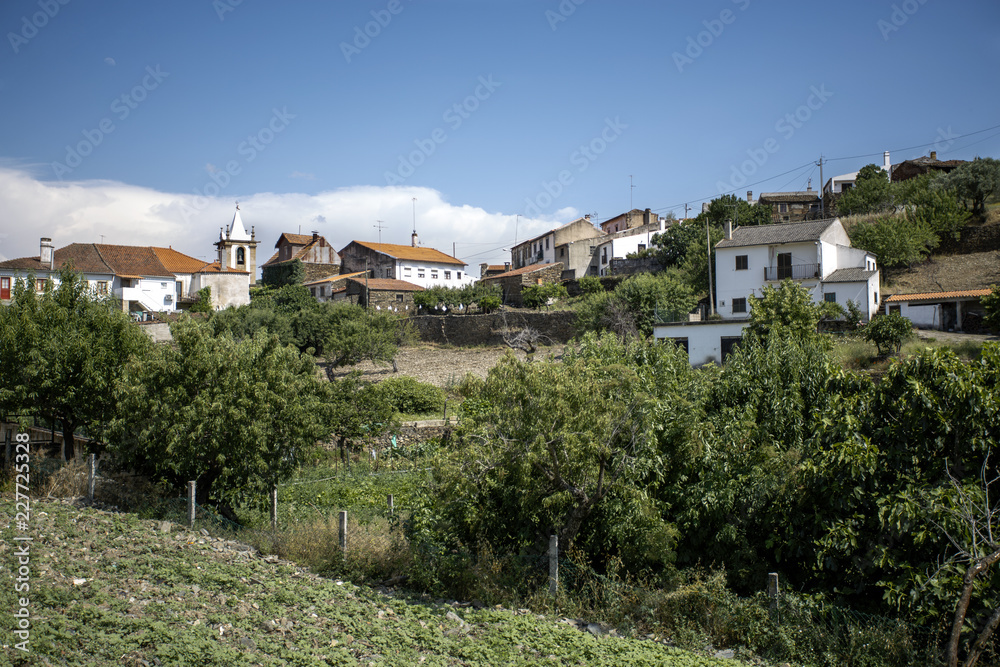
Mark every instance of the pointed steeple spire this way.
pixel 237 232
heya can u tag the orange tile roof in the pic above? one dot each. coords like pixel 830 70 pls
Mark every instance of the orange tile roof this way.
pixel 273 260
pixel 410 253
pixel 524 269
pixel 82 257
pixel 938 296
pixel 335 278
pixel 215 268
pixel 127 260
pixel 178 262
pixel 294 239
pixel 388 284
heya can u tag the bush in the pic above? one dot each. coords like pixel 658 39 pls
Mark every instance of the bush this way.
pixel 888 332
pixel 591 285
pixel 489 303
pixel 409 396
pixel 536 296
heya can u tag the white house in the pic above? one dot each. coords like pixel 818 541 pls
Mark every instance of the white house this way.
pixel 424 267
pixel 816 254
pixel 146 279
pixel 542 249
pixel 619 245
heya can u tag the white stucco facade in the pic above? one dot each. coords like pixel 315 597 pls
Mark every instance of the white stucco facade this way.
pixel 706 342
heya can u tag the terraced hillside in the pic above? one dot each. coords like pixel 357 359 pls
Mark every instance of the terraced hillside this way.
pixel 110 589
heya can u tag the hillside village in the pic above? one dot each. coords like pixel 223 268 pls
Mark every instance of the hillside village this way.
pixel 793 235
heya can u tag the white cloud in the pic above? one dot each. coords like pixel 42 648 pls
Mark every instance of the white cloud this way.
pixel 83 211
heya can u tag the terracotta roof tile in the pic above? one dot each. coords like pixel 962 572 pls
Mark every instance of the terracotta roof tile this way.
pixel 294 239
pixel 132 260
pixel 214 267
pixel 938 296
pixel 335 278
pixel 410 253
pixel 82 257
pixel 178 262
pixel 849 275
pixel 388 284
pixel 524 269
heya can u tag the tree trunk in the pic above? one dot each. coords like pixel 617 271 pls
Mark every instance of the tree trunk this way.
pixel 984 637
pixel 977 568
pixel 69 441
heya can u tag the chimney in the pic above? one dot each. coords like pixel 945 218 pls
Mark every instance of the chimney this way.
pixel 586 217
pixel 809 185
pixel 315 237
pixel 45 254
pixel 704 207
pixel 413 238
pixel 933 155
pixel 506 266
pixel 749 196
pixel 727 228
pixel 885 161
pixel 482 269
pixel 647 216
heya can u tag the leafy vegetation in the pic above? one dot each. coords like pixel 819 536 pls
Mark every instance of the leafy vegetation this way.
pixel 536 296
pixel 634 305
pixel 888 332
pixel 991 306
pixel 486 297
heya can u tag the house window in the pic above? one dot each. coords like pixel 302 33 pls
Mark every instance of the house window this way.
pixel 447 275
pixel 434 275
pixel 388 273
pixel 40 284
pixel 830 297
pixel 742 262
pixel 399 298
pixel 562 252
pixel 420 273
pixel 313 290
pixel 740 305
pixel 782 208
pixel 604 255
pixel 642 246
pixel 458 275
pixel 102 286
pixel 895 309
pixel 784 265
pixel 406 271
pixel 876 297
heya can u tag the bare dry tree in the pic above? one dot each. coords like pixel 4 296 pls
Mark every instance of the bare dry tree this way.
pixel 978 549
pixel 523 338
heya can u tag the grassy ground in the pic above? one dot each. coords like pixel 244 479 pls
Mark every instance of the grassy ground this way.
pixel 111 589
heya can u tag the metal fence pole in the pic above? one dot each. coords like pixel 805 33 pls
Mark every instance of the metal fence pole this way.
pixel 553 565
pixel 274 507
pixel 390 501
pixel 192 488
pixel 91 476
pixel 772 591
pixel 343 532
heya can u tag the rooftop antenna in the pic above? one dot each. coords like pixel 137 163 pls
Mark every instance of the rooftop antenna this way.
pixel 102 239
pixel 516 219
pixel 630 189
pixel 414 215
pixel 379 226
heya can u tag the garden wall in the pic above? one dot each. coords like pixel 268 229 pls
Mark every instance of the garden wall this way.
pixel 467 330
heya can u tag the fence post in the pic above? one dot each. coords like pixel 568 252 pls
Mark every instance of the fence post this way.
pixel 91 475
pixel 553 565
pixel 391 504
pixel 343 532
pixel 772 591
pixel 192 488
pixel 274 507
pixel 6 449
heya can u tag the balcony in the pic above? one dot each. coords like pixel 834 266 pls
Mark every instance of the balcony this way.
pixel 794 271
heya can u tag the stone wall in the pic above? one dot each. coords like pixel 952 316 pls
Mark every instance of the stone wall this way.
pixel 627 267
pixel 974 239
pixel 466 330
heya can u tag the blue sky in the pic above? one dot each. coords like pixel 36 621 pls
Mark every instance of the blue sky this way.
pixel 483 110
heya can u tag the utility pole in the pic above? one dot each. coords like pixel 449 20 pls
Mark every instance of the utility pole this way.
pixel 708 237
pixel 686 209
pixel 822 185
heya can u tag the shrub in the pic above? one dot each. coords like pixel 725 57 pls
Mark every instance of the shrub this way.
pixel 888 332
pixel 591 285
pixel 489 303
pixel 536 296
pixel 409 396
pixel 991 305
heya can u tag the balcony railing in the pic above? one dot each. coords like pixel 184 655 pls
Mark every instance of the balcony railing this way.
pixel 795 272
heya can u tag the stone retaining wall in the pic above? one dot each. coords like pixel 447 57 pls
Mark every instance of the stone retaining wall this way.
pixel 466 330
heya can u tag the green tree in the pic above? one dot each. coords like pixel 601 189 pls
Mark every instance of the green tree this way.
pixel 991 307
pixel 932 206
pixel 234 416
pixel 895 240
pixel 544 447
pixel 888 332
pixel 974 183
pixel 644 295
pixel 363 335
pixel 536 296
pixel 788 309
pixel 62 352
pixel 204 302
pixel 872 193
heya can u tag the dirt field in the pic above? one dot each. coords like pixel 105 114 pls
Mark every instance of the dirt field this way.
pixel 441 366
pixel 949 272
